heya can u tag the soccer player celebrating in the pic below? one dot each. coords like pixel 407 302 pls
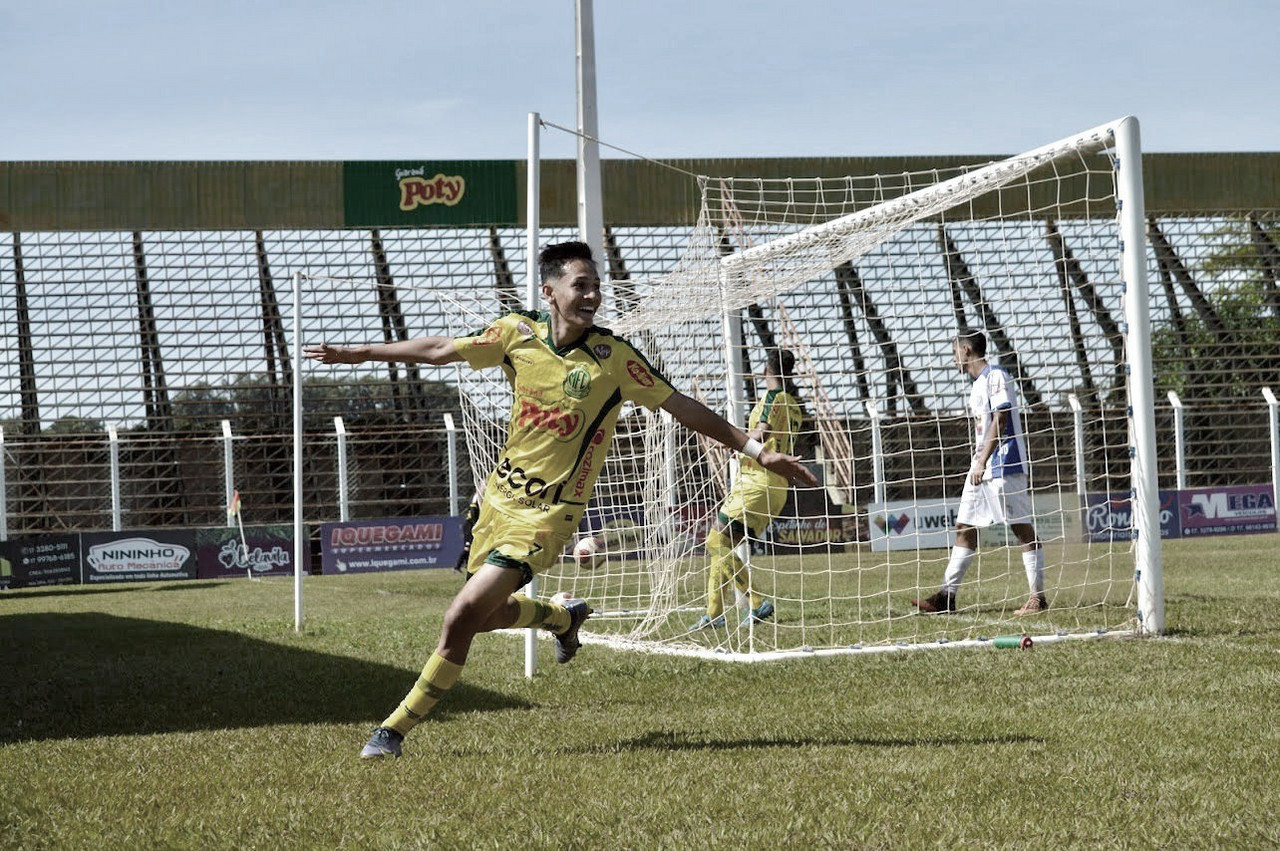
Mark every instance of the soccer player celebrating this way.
pixel 757 496
pixel 569 380
pixel 996 489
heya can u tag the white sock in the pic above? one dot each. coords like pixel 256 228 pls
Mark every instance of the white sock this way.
pixel 1033 564
pixel 961 558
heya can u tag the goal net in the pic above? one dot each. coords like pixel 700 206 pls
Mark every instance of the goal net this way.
pixel 865 280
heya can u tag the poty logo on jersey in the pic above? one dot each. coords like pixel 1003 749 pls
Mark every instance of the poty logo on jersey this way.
pixel 639 374
pixel 563 425
pixel 418 190
pixel 577 384
pixel 888 523
pixel 1229 506
pixel 137 555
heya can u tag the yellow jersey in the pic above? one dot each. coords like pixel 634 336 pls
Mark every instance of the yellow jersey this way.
pixel 565 406
pixel 781 412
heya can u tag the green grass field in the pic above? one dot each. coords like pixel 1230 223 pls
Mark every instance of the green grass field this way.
pixel 190 715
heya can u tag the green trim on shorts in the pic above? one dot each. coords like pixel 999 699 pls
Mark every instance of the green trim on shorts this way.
pixel 497 559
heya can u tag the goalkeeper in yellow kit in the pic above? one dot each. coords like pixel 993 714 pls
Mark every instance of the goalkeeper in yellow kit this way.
pixel 756 497
pixel 569 380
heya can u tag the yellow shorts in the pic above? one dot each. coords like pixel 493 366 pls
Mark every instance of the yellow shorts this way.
pixel 754 505
pixel 507 542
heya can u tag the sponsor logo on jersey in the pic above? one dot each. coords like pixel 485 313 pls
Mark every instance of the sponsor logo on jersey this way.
pixel 563 425
pixel 639 373
pixel 588 464
pixel 524 328
pixel 577 384
pixel 602 350
pixel 417 190
pixel 517 485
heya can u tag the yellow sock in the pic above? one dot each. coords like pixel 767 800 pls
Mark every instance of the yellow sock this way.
pixel 720 549
pixel 549 616
pixel 438 676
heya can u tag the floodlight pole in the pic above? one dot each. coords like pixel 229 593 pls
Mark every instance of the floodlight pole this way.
pixel 590 195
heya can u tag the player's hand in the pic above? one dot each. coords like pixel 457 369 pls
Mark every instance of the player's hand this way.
pixel 787 466
pixel 325 353
pixel 976 472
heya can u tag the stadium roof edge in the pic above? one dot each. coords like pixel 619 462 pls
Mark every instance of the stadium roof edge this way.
pixel 284 194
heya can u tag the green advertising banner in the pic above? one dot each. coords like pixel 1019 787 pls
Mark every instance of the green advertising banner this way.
pixel 422 193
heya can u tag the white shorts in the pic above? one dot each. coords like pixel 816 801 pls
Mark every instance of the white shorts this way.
pixel 1005 500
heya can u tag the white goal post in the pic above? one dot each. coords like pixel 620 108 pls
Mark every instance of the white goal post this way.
pixel 865 280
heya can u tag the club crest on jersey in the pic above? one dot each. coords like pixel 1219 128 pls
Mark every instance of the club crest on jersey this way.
pixel 639 374
pixel 577 384
pixel 602 350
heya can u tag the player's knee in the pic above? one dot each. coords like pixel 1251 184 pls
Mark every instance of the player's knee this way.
pixel 463 618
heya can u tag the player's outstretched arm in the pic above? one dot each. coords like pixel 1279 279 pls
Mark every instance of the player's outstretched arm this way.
pixel 431 350
pixel 696 416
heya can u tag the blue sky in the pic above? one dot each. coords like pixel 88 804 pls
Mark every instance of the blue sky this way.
pixel 394 79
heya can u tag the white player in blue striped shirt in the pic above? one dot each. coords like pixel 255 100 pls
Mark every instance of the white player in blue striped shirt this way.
pixel 996 489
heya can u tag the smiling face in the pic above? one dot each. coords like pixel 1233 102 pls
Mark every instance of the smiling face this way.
pixel 574 297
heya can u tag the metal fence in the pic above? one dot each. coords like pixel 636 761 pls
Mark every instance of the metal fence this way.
pixel 161 336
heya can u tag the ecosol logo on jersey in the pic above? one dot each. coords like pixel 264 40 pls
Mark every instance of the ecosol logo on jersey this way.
pixel 137 555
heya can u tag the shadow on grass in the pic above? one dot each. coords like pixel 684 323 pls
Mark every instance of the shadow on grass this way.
pixel 84 675
pixel 69 589
pixel 670 741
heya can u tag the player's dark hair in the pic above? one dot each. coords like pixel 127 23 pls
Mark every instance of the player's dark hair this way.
pixel 974 339
pixel 782 362
pixel 552 259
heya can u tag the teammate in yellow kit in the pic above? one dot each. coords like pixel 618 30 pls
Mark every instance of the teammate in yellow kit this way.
pixel 569 380
pixel 756 497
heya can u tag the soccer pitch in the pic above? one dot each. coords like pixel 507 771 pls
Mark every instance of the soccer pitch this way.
pixel 191 715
